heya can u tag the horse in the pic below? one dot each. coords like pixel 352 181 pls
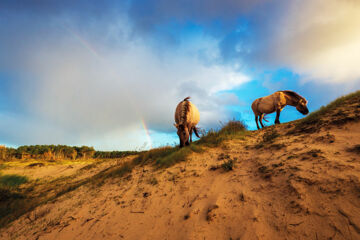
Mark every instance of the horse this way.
pixel 276 102
pixel 186 117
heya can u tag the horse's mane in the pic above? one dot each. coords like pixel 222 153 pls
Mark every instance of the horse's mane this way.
pixel 185 109
pixel 293 94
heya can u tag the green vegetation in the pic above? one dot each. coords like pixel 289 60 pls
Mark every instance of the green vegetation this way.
pixel 168 156
pixel 315 116
pixel 113 154
pixel 165 156
pixel 59 152
pixel 233 129
pixel 12 180
pixel 269 136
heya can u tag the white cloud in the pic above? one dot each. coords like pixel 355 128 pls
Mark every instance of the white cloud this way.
pixel 99 95
pixel 319 39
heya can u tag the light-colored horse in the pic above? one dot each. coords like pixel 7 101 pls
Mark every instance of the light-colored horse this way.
pixel 276 102
pixel 186 117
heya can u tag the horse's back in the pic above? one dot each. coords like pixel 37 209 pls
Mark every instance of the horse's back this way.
pixel 265 104
pixel 193 116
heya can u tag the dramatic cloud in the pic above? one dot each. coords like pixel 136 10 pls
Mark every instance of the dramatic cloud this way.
pixel 107 73
pixel 319 39
pixel 81 88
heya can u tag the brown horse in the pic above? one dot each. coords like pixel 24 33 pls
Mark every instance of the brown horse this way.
pixel 186 118
pixel 276 102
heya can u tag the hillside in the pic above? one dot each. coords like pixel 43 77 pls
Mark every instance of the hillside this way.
pixel 297 180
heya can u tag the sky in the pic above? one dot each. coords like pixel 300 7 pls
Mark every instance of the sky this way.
pixel 109 74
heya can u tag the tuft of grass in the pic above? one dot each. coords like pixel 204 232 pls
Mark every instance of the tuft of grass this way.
pixel 153 155
pixel 316 116
pixel 232 129
pixel 228 165
pixel 12 180
pixel 269 136
pixel 166 156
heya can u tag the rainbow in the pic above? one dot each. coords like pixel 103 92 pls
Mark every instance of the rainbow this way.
pixel 91 49
pixel 83 42
pixel 147 133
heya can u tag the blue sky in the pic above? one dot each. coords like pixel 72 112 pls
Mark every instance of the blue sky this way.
pixel 109 74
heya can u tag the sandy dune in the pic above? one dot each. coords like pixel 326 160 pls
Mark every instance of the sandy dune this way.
pixel 303 185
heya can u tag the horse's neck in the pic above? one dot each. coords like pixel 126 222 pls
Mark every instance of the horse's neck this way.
pixel 291 101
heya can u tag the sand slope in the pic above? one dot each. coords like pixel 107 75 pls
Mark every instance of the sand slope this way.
pixel 303 185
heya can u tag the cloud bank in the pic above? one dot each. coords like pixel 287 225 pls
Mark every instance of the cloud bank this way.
pixel 92 73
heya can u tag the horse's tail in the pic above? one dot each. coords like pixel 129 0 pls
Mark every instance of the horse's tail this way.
pixel 186 99
pixel 196 132
pixel 264 118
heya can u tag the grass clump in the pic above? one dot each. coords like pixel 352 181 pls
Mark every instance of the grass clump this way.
pixel 269 136
pixel 228 165
pixel 232 129
pixel 166 156
pixel 316 116
pixel 113 154
pixel 12 180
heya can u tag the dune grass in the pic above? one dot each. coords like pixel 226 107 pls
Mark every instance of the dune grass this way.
pixel 316 116
pixel 167 156
pixel 232 129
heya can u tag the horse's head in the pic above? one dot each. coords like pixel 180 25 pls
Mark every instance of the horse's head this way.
pixel 183 133
pixel 301 106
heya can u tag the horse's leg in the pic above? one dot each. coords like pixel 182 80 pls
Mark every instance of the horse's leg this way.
pixel 261 118
pixel 257 121
pixel 181 144
pixel 190 133
pixel 277 116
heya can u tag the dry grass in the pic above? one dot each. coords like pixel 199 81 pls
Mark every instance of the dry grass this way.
pixel 316 116
pixel 232 129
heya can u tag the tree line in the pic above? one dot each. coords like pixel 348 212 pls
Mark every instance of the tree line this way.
pixel 57 152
